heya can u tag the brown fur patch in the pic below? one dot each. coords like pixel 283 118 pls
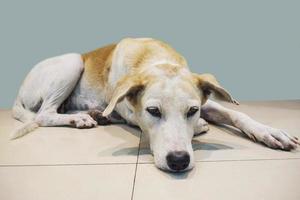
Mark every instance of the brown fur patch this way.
pixel 209 84
pixel 170 70
pixel 128 87
pixel 98 117
pixel 141 57
pixel 134 94
pixel 72 123
pixel 139 53
pixel 97 64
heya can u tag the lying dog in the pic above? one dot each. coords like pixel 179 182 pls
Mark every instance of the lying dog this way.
pixel 143 82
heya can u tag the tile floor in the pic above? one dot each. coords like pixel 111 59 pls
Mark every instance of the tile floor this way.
pixel 111 162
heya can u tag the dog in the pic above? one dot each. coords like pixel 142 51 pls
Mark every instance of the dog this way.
pixel 142 82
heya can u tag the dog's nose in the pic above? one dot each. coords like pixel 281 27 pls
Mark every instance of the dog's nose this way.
pixel 178 160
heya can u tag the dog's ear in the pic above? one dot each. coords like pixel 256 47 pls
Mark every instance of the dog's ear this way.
pixel 129 87
pixel 209 85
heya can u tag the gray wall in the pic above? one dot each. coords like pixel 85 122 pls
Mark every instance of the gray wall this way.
pixel 251 46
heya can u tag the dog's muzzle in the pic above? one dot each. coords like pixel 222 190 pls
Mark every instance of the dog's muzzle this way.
pixel 178 160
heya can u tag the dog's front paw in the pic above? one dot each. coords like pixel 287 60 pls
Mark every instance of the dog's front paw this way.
pixel 201 127
pixel 99 118
pixel 274 138
pixel 82 121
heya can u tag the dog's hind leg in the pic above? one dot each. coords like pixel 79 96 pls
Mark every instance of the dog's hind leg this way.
pixel 272 137
pixel 67 74
pixel 45 88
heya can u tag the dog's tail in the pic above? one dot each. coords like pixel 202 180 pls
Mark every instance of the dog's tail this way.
pixel 23 115
pixel 25 129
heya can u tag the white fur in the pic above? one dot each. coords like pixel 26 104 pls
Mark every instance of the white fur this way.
pixel 272 137
pixel 46 87
pixel 174 131
pixel 164 61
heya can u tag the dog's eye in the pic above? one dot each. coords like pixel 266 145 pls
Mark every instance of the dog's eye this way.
pixel 154 111
pixel 192 111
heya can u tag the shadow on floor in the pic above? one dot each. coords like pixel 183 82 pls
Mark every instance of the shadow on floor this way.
pixel 197 145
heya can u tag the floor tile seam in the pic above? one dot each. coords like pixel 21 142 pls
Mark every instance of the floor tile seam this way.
pixel 63 165
pixel 136 166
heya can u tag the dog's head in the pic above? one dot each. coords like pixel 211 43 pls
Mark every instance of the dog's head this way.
pixel 168 109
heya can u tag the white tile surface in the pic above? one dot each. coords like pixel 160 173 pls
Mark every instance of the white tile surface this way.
pixel 246 180
pixel 64 145
pixel 109 182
